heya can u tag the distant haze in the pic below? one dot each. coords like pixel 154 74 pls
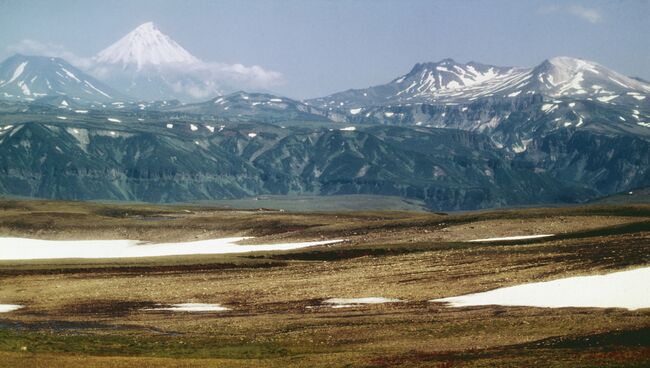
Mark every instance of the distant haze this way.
pixel 321 47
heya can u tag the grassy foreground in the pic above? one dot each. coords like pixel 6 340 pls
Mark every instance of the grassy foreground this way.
pixel 93 313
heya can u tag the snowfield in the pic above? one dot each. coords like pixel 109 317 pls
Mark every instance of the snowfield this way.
pixel 6 308
pixel 191 307
pixel 626 289
pixel 24 249
pixel 520 237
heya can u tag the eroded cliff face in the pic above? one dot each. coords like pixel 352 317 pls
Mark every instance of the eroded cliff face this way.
pixel 448 169
pixel 605 163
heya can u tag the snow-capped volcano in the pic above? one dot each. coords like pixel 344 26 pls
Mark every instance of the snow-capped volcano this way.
pixel 567 76
pixel 150 65
pixel 146 45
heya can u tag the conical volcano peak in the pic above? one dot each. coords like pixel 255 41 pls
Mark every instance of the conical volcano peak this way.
pixel 147 27
pixel 145 45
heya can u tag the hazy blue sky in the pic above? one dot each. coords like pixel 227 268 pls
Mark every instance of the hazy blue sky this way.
pixel 326 46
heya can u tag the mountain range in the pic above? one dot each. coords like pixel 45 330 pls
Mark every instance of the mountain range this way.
pixel 456 135
pixel 448 81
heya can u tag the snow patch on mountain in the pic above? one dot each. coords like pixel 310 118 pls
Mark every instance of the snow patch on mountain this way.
pixel 19 70
pixel 29 77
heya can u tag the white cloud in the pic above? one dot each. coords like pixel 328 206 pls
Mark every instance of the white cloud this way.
pixel 199 80
pixel 251 76
pixel 33 47
pixel 591 15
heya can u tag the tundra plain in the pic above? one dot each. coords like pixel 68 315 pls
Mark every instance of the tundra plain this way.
pixel 275 309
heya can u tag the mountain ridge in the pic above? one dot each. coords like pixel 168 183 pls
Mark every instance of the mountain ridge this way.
pixel 31 77
pixel 448 81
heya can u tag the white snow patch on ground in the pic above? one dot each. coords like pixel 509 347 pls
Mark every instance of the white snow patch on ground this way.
pixel 193 127
pixel 70 74
pixel 19 70
pixel 519 237
pixel 81 111
pixel 6 308
pixel 62 117
pixel 625 289
pixel 355 111
pixel 349 129
pixel 96 89
pixel 639 97
pixel 252 135
pixel 606 98
pixel 191 307
pixel 523 146
pixel 548 107
pixel 210 128
pixel 25 89
pixel 113 120
pixel 24 248
pixel 170 126
pixel 389 114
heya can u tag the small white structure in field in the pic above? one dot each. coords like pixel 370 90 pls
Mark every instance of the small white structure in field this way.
pixel 356 302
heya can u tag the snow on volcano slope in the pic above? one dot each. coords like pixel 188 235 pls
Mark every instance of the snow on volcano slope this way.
pixel 143 46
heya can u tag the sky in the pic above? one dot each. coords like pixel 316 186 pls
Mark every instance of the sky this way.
pixel 324 46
